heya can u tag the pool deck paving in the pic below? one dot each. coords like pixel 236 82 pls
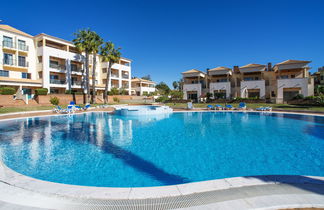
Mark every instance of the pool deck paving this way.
pixel 258 192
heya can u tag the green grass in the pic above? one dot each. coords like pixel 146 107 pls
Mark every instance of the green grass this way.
pixel 4 110
pixel 253 106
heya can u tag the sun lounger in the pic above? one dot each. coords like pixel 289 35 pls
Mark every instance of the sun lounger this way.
pixel 229 107
pixel 219 107
pixel 241 106
pixel 210 107
pixel 86 107
pixel 262 109
pixel 189 105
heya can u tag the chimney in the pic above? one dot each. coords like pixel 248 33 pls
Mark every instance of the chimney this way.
pixel 236 69
pixel 269 67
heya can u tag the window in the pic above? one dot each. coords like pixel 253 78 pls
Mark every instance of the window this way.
pixel 53 77
pixel 322 77
pixel 74 67
pixel 8 59
pixel 273 94
pixel 22 45
pixel 4 73
pixel 292 76
pixel 54 64
pixel 25 75
pixel 256 78
pixel 104 70
pixel 7 42
pixel 22 61
pixel 248 79
pixel 284 77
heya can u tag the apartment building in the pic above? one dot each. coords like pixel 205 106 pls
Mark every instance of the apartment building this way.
pixel 31 62
pixel 277 84
pixel 142 86
pixel 17 60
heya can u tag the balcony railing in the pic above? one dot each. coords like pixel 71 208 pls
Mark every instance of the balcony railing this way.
pixel 115 75
pixel 76 82
pixel 125 76
pixel 9 44
pixel 13 62
pixel 76 69
pixel 23 47
pixel 57 81
pixel 57 66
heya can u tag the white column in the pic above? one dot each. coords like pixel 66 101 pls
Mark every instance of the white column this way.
pixel 45 70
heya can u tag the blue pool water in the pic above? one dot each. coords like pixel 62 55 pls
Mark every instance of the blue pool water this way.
pixel 99 149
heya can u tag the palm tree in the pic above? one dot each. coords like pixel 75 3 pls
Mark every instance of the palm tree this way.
pixel 83 42
pixel 97 41
pixel 111 55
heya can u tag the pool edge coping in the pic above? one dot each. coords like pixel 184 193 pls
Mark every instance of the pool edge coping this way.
pixel 15 179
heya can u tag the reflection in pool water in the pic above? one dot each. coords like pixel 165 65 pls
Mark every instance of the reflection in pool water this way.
pixel 99 149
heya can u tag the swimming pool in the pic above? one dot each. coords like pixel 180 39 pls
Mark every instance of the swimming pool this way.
pixel 100 149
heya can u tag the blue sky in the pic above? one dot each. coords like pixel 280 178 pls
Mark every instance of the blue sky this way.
pixel 167 37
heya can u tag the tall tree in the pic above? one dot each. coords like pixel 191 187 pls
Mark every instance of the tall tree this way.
pixel 111 55
pixel 83 42
pixel 147 77
pixel 96 42
pixel 163 88
pixel 175 85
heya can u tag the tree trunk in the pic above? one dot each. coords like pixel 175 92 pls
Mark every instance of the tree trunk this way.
pixel 93 95
pixel 86 78
pixel 107 83
pixel 87 81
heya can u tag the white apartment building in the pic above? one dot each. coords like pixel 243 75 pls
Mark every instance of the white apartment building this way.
pixel 278 84
pixel 142 86
pixel 30 62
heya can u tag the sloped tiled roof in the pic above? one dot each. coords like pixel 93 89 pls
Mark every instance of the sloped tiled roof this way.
pixel 220 68
pixel 192 71
pixel 252 65
pixel 14 30
pixel 142 80
pixel 292 62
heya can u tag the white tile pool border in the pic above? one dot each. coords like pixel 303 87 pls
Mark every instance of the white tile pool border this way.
pixel 18 180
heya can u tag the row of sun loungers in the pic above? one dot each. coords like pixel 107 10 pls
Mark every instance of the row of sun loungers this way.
pixel 241 106
pixel 71 108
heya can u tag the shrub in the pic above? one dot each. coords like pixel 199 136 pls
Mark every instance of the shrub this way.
pixel 55 100
pixel 113 91
pixel 162 99
pixel 68 92
pixel 7 91
pixel 299 96
pixel 41 91
pixel 116 99
pixel 175 94
pixel 123 92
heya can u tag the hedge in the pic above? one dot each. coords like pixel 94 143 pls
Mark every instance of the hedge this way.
pixel 41 91
pixel 7 91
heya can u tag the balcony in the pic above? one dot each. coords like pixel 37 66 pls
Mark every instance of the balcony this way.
pixel 13 62
pixel 9 45
pixel 23 47
pixel 57 81
pixel 57 66
pixel 125 76
pixel 115 75
pixel 76 83
pixel 74 69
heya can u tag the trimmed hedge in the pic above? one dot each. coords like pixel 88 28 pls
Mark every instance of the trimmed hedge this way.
pixel 41 91
pixel 7 91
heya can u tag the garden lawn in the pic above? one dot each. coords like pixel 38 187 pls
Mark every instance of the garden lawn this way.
pixel 256 105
